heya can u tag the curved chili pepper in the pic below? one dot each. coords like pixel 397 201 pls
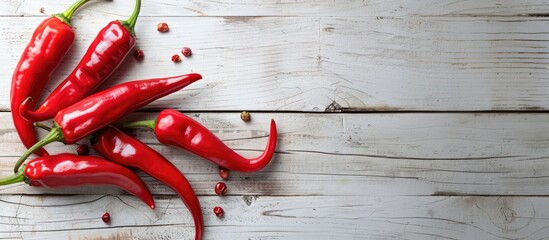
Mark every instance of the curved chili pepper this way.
pixel 101 109
pixel 125 150
pixel 104 55
pixel 69 170
pixel 173 128
pixel 49 43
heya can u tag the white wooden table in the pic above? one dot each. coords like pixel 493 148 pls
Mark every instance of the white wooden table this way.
pixel 411 119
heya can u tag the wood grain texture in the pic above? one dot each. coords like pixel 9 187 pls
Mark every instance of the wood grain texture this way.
pixel 337 154
pixel 272 68
pixel 402 172
pixel 324 8
pixel 9 8
pixel 328 64
pixel 436 63
pixel 260 217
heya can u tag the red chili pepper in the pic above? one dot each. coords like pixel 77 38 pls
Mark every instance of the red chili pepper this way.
pixel 173 128
pixel 125 150
pixel 69 170
pixel 104 55
pixel 49 43
pixel 101 109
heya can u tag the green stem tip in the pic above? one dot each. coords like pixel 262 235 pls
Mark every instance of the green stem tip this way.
pixel 15 178
pixel 55 135
pixel 129 23
pixel 140 124
pixel 43 126
pixel 66 16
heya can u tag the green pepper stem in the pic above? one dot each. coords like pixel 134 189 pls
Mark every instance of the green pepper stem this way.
pixel 129 23
pixel 66 16
pixel 140 124
pixel 55 135
pixel 17 177
pixel 43 126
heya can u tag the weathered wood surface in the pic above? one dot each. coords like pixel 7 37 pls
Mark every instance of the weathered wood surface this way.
pixel 326 64
pixel 309 8
pixel 346 181
pixel 362 175
pixel 358 154
pixel 264 217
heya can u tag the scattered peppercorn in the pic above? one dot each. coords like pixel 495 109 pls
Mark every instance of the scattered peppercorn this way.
pixel 220 188
pixel 218 211
pixel 176 58
pixel 139 54
pixel 106 217
pixel 224 173
pixel 83 150
pixel 245 116
pixel 162 27
pixel 186 52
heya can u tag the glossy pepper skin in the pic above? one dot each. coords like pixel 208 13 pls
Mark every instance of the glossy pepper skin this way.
pixel 125 150
pixel 69 170
pixel 101 109
pixel 106 52
pixel 174 128
pixel 49 43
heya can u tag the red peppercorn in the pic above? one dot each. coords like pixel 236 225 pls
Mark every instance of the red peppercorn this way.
pixel 224 173
pixel 220 188
pixel 162 27
pixel 218 211
pixel 139 54
pixel 106 217
pixel 83 150
pixel 176 58
pixel 186 52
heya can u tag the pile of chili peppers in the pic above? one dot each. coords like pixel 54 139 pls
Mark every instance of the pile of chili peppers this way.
pixel 80 115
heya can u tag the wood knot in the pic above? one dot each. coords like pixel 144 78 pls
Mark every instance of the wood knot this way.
pixel 249 199
pixel 333 107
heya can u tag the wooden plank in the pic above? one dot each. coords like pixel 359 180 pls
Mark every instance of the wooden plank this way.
pixel 436 63
pixel 336 154
pixel 261 217
pixel 9 8
pixel 344 8
pixel 248 63
pixel 328 64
